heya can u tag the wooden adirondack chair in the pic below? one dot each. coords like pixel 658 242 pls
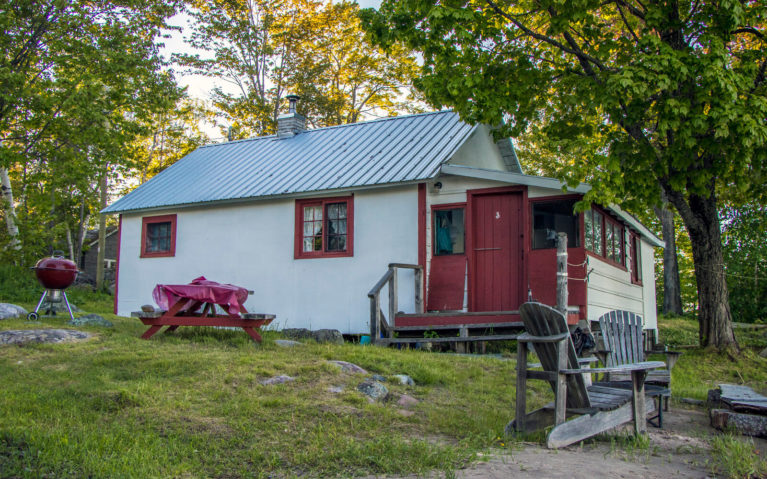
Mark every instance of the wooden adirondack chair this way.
pixel 600 408
pixel 623 342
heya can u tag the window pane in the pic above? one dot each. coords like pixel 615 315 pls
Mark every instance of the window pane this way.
pixel 588 223
pixel 449 231
pixel 333 210
pixel 609 239
pixel 309 228
pixel 308 244
pixel 598 233
pixel 619 244
pixel 308 213
pixel 552 217
pixel 158 237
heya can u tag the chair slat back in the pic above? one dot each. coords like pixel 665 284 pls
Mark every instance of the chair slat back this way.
pixel 542 320
pixel 622 335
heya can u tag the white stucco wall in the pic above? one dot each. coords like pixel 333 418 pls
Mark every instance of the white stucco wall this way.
pixel 252 246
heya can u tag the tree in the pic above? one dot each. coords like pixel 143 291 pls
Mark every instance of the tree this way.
pixel 76 80
pixel 675 90
pixel 263 49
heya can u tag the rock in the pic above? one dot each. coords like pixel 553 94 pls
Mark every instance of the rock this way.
pixel 287 343
pixel 42 336
pixel 328 336
pixel 277 380
pixel 90 320
pixel 373 389
pixel 763 353
pixel 147 308
pixel 349 367
pixel 8 311
pixel 378 377
pixel 747 424
pixel 297 333
pixel 405 412
pixel 321 335
pixel 404 379
pixel 336 389
pixel 407 401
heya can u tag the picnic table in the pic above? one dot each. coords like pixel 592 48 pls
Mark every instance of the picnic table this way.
pixel 197 304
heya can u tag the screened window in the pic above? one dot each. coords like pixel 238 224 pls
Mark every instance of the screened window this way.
pixel 604 236
pixel 449 231
pixel 324 227
pixel 552 217
pixel 158 236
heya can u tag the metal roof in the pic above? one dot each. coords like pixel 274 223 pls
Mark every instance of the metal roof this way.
pixel 392 150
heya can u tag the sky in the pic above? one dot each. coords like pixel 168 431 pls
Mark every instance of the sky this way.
pixel 200 86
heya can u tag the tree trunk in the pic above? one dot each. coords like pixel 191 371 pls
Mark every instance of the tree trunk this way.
pixel 10 210
pixel 102 231
pixel 672 291
pixel 701 219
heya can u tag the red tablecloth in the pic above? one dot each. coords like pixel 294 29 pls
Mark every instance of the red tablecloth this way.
pixel 200 289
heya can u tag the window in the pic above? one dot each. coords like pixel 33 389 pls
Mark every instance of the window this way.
pixel 604 236
pixel 636 259
pixel 552 217
pixel 324 227
pixel 158 236
pixel 448 231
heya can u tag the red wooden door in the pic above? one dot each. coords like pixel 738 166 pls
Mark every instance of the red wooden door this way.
pixel 496 267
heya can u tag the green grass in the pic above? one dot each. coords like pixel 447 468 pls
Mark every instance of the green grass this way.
pixel 736 458
pixel 699 370
pixel 190 404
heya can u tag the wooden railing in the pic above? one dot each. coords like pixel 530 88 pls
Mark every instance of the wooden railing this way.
pixel 378 321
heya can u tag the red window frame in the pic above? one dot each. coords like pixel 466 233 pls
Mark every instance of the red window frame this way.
pixel 635 248
pixel 149 220
pixel 608 221
pixel 299 253
pixel 442 207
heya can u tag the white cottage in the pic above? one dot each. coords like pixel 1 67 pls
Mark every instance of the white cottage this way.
pixel 311 219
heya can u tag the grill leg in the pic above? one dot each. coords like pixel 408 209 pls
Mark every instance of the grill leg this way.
pixel 42 298
pixel 69 308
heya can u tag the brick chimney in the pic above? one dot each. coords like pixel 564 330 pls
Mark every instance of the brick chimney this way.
pixel 290 123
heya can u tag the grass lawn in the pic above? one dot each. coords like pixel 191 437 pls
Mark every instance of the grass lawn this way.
pixel 190 404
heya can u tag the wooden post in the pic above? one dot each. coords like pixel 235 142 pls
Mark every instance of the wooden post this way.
pixel 562 273
pixel 521 409
pixel 560 399
pixel 375 317
pixel 419 290
pixel 392 295
pixel 638 401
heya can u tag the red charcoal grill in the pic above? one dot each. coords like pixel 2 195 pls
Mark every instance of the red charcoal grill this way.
pixel 55 274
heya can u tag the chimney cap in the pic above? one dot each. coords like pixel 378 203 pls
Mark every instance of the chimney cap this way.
pixel 292 98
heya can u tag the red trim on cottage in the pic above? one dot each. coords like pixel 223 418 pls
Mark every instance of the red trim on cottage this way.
pixel 422 235
pixel 149 220
pixel 635 250
pixel 299 253
pixel 117 264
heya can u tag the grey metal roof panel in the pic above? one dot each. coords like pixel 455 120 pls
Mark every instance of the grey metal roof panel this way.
pixel 387 151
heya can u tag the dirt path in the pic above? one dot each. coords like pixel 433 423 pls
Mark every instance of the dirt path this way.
pixel 679 450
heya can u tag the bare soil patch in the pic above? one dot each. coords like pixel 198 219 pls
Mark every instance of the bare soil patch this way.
pixel 680 450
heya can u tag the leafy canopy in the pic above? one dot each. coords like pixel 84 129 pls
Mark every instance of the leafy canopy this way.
pixel 673 92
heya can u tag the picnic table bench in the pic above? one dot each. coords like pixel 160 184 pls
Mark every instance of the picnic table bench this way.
pixel 197 304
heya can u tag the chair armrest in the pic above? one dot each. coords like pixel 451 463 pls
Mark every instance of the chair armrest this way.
pixel 527 338
pixel 643 366
pixel 580 361
pixel 671 357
